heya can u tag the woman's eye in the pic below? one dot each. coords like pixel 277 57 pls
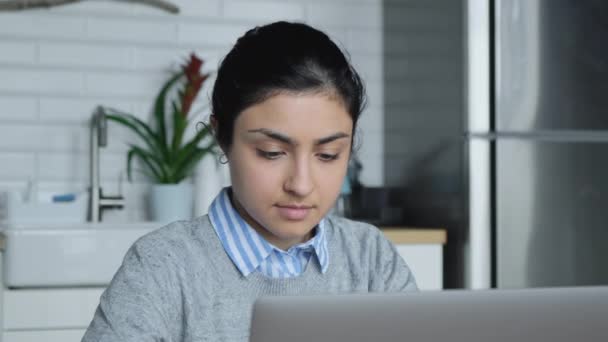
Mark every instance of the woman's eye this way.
pixel 328 157
pixel 269 154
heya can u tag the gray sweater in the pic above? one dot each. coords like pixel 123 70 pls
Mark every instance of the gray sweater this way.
pixel 177 284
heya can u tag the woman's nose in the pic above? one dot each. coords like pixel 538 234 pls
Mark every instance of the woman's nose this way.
pixel 299 182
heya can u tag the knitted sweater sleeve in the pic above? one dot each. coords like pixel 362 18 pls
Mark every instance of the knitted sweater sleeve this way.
pixel 392 273
pixel 138 305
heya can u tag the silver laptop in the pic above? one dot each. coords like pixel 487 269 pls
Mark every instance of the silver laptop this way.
pixel 542 314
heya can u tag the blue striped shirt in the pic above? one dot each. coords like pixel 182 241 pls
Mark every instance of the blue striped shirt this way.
pixel 250 252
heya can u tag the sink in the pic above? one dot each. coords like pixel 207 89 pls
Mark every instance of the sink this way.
pixel 65 255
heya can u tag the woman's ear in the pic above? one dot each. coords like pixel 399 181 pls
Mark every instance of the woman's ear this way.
pixel 213 122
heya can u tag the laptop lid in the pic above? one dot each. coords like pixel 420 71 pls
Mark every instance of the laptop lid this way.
pixel 542 314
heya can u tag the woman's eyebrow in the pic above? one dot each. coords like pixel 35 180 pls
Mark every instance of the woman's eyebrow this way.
pixel 273 135
pixel 285 139
pixel 331 138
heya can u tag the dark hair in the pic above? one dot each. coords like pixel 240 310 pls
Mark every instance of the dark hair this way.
pixel 277 58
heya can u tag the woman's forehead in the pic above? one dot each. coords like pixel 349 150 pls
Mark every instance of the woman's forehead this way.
pixel 288 112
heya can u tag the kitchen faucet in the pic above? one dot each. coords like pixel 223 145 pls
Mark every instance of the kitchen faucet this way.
pixel 99 138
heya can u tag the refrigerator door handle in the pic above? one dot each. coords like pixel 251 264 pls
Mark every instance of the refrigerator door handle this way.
pixel 478 258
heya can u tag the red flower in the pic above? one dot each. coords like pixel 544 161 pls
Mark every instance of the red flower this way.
pixel 194 82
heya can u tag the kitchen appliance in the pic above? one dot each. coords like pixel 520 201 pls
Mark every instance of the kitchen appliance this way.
pixel 536 143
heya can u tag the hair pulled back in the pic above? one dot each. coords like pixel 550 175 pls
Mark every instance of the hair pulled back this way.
pixel 279 58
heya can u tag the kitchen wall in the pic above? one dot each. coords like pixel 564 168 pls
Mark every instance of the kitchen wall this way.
pixel 56 65
pixel 423 72
pixel 423 112
pixel 424 119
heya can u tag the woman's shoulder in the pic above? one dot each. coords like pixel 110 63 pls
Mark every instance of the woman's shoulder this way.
pixel 178 236
pixel 352 230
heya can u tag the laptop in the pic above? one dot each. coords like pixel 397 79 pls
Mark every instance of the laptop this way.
pixel 541 314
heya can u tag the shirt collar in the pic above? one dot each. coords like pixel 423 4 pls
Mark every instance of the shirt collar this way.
pixel 246 247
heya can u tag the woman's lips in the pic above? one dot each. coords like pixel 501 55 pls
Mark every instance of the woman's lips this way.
pixel 294 212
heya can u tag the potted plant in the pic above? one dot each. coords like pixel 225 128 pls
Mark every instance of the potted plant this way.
pixel 166 158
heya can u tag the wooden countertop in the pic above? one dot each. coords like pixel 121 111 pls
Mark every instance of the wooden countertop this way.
pixel 397 235
pixel 406 235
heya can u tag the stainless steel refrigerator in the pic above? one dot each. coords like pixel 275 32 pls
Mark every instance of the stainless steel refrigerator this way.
pixel 537 143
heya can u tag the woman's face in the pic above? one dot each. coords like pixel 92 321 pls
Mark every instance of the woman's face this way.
pixel 288 159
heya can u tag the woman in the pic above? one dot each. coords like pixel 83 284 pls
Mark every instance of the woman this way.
pixel 285 108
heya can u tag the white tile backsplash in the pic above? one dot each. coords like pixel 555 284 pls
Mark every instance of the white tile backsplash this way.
pixel 372 173
pixel 86 55
pixel 264 11
pixel 345 15
pixel 43 138
pixel 7 185
pixel 369 67
pixel 170 58
pixel 134 31
pixel 40 24
pixel 371 144
pixel 213 35
pixel 371 119
pixel 197 9
pixel 77 110
pixel 75 166
pixel 40 80
pixel 124 84
pixel 365 41
pixel 18 108
pixel 375 94
pixel 95 7
pixel 17 52
pixel 17 166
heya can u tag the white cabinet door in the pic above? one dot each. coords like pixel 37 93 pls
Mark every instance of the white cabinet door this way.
pixel 74 335
pixel 53 309
pixel 426 262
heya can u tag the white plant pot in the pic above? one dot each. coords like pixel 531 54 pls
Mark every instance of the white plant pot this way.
pixel 171 202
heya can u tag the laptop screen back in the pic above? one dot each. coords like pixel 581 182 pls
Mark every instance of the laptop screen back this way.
pixel 548 314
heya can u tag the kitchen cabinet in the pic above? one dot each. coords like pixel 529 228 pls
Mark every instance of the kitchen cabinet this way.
pixel 422 250
pixel 46 314
pixel 61 335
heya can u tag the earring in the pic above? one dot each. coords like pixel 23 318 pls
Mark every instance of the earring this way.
pixel 223 159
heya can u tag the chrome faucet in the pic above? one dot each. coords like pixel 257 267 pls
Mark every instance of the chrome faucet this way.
pixel 99 138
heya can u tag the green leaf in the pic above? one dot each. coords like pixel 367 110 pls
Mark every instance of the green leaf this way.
pixel 152 162
pixel 151 139
pixel 159 110
pixel 185 152
pixel 179 126
pixel 130 155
